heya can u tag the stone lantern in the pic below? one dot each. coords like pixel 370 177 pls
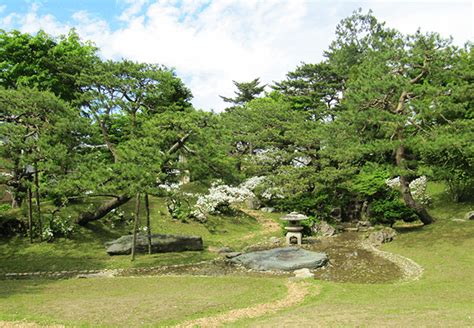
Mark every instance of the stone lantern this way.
pixel 294 228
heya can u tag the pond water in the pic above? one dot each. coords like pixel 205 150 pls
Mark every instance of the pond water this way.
pixel 349 262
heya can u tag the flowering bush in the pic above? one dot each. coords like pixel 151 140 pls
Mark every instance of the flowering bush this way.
pixel 393 183
pixel 57 227
pixel 417 188
pixel 221 196
pixel 169 186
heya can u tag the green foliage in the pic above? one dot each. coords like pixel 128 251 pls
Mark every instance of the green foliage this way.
pixel 10 222
pixel 42 62
pixel 38 129
pixel 56 226
pixel 313 204
pixel 246 91
pixel 4 208
pixel 179 208
pixel 389 210
pixel 312 87
pixel 370 181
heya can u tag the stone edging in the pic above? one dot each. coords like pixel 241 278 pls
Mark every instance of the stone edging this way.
pixel 411 270
pixel 89 273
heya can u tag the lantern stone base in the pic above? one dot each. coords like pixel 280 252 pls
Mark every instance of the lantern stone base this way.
pixel 291 235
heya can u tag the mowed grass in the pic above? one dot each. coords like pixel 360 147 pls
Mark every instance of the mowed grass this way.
pixel 443 297
pixel 131 302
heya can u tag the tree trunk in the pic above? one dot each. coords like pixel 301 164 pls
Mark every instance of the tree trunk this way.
pixel 135 225
pixel 419 209
pixel 148 227
pixel 102 210
pixel 38 203
pixel 30 215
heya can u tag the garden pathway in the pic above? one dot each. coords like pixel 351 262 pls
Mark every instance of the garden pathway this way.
pixel 297 291
pixel 268 225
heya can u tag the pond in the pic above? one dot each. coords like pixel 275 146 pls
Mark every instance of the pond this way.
pixel 348 262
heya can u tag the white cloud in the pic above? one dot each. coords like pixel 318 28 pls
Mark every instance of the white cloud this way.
pixel 211 43
pixel 32 21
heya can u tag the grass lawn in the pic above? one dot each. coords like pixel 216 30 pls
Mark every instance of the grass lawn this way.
pixel 131 302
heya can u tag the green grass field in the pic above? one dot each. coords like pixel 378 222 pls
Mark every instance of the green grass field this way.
pixel 443 297
pixel 130 302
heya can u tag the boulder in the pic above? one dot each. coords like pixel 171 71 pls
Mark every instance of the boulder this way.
pixel 252 203
pixel 323 228
pixel 303 274
pixel 363 226
pixel 469 215
pixel 159 244
pixel 225 249
pixel 232 254
pixel 267 209
pixel 384 235
pixel 336 213
pixel 274 240
pixel 281 259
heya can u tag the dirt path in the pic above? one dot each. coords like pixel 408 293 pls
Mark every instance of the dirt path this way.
pixel 297 291
pixel 268 225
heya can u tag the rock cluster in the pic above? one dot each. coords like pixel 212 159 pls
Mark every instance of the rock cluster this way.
pixel 384 235
pixel 324 229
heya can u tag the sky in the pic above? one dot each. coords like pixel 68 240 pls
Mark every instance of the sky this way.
pixel 212 43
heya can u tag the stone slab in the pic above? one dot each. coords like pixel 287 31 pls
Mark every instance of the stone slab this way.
pixel 281 259
pixel 160 243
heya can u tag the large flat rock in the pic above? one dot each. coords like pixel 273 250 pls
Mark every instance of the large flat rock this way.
pixel 282 259
pixel 160 243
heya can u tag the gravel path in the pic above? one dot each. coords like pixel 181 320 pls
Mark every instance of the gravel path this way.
pixel 411 270
pixel 297 291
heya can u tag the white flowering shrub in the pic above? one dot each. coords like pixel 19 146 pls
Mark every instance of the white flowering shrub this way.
pixel 224 195
pixel 417 188
pixel 393 183
pixel 169 187
pixel 252 183
pixel 57 227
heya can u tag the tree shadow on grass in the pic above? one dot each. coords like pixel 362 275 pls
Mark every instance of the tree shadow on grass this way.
pixel 9 288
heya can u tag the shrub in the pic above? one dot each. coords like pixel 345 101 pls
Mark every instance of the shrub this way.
pixel 312 204
pixel 387 211
pixel 56 226
pixel 9 223
pixel 179 208
pixel 371 181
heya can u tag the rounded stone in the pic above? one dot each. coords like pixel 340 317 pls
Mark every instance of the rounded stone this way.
pixel 281 259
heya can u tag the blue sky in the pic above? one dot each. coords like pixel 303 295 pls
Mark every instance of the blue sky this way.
pixel 211 43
